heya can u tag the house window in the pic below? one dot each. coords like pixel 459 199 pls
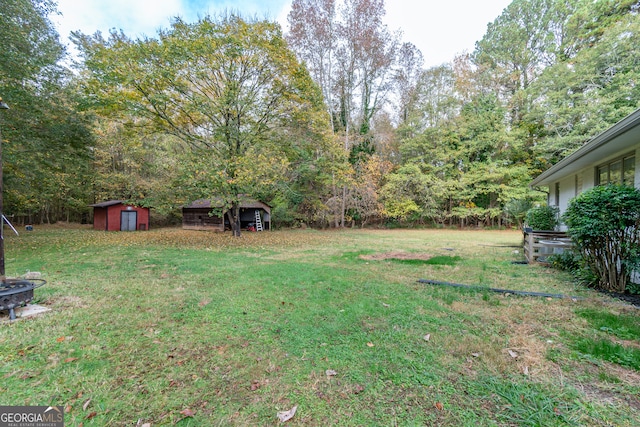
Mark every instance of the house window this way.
pixel 618 171
pixel 629 170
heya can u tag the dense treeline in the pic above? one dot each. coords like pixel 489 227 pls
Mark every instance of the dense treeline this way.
pixel 45 139
pixel 334 123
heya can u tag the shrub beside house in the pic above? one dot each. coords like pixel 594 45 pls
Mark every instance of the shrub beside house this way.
pixel 611 157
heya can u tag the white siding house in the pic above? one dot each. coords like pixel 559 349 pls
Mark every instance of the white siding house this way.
pixel 612 156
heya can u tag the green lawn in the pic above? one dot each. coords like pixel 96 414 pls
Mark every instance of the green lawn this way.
pixel 198 329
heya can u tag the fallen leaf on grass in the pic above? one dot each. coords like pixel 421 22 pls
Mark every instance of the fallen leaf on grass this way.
pixel 357 389
pixel 255 384
pixel 427 337
pixel 91 415
pixel 285 416
pixel 331 373
pixel 86 404
pixel 512 353
pixel 526 370
pixel 370 344
pixel 188 413
pixel 70 359
pixel 475 354
pixel 60 339
pixel 385 305
pixel 439 406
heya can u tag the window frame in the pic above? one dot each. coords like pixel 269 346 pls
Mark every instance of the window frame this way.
pixel 620 159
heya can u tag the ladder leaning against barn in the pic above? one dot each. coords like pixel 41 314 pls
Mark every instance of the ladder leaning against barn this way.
pixel 258 221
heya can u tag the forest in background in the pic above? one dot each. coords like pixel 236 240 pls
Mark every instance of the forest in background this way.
pixel 335 122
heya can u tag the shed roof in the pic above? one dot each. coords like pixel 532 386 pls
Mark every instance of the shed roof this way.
pixel 618 138
pixel 218 203
pixel 107 204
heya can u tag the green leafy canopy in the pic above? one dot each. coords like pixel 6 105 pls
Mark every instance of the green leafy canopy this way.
pixel 604 222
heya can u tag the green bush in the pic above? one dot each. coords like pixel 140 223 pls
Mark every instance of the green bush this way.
pixel 566 261
pixel 604 223
pixel 515 211
pixel 542 217
pixel 571 261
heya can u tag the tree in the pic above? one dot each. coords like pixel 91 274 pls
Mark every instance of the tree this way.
pixel 353 57
pixel 228 87
pixel 46 146
pixel 372 49
pixel 31 48
pixel 406 80
pixel 408 194
pixel 604 224
pixel 578 97
pixel 546 77
pixel 129 164
pixel 525 39
pixel 313 36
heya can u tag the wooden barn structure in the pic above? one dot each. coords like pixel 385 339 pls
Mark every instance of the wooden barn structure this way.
pixel 200 215
pixel 116 215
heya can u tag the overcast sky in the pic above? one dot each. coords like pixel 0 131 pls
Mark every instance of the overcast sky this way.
pixel 439 28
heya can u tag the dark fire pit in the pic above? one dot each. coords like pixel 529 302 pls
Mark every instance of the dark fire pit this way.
pixel 17 292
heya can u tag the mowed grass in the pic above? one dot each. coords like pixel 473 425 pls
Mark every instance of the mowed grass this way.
pixel 174 327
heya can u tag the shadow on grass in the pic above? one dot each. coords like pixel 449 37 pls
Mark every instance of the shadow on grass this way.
pixel 436 260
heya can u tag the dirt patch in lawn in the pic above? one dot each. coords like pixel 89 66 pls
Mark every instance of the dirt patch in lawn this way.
pixel 397 255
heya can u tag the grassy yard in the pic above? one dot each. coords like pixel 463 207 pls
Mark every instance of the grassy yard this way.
pixel 197 329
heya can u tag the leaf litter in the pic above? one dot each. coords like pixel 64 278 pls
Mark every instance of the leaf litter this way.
pixel 285 416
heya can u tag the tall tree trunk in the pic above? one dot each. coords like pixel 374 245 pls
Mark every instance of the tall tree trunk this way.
pixel 335 197
pixel 236 208
pixel 343 206
pixel 234 219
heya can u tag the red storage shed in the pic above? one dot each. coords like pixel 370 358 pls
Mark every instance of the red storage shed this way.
pixel 115 215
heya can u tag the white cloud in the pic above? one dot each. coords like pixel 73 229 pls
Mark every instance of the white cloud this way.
pixel 440 29
pixel 135 18
pixel 145 17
